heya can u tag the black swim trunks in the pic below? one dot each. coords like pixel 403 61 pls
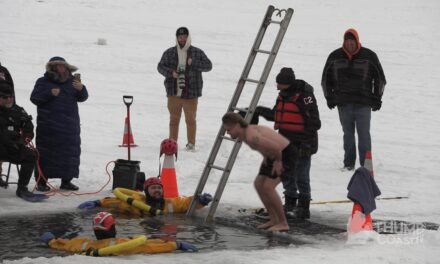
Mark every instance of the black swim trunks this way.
pixel 289 155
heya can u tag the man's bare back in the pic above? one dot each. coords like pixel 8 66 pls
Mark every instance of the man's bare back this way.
pixel 266 141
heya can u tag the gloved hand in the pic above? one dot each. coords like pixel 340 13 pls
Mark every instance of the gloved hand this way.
pixel 376 106
pixel 47 237
pixel 184 246
pixel 89 204
pixel 331 105
pixel 205 199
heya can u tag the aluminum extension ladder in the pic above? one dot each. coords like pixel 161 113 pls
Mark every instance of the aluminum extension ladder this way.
pixel 284 23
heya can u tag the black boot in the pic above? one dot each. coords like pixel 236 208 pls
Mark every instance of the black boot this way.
pixel 42 186
pixel 302 211
pixel 289 204
pixel 67 185
pixel 23 192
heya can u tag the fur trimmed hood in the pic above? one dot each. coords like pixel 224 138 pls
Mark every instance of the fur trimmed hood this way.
pixel 59 60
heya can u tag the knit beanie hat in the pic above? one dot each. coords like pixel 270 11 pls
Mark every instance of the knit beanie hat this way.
pixel 286 76
pixel 182 31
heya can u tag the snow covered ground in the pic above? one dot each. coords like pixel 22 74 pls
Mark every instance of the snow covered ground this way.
pixel 405 132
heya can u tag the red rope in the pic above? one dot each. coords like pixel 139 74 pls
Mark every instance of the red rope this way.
pixel 54 190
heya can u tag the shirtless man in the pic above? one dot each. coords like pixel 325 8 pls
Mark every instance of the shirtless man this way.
pixel 277 152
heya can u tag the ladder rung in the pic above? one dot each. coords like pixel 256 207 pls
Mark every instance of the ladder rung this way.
pixel 239 109
pixel 264 51
pixel 275 22
pixel 228 138
pixel 218 168
pixel 251 80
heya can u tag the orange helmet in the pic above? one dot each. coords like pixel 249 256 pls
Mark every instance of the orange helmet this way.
pixel 152 181
pixel 103 221
pixel 168 147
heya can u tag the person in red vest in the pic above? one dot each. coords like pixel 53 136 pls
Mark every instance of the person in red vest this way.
pixel 296 117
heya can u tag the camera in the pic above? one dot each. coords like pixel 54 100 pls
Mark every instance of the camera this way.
pixel 181 78
pixel 77 76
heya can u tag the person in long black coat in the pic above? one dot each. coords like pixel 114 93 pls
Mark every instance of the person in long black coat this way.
pixel 56 96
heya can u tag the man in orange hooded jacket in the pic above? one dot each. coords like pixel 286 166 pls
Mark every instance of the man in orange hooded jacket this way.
pixel 354 81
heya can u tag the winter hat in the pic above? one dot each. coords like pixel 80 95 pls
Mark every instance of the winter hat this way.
pixel 5 88
pixel 182 31
pixel 286 76
pixel 59 60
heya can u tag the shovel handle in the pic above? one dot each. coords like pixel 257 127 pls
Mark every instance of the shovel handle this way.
pixel 128 100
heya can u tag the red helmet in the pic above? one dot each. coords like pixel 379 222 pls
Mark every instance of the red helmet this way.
pixel 103 221
pixel 168 147
pixel 152 181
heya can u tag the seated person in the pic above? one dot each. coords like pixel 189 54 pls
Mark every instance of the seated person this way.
pixel 104 227
pixel 16 131
pixel 153 197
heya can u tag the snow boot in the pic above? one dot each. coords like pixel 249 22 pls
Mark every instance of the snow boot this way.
pixel 23 192
pixel 301 212
pixel 289 204
pixel 69 186
pixel 42 186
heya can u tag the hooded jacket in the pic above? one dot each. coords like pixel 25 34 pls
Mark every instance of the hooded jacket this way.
pixel 356 78
pixel 193 73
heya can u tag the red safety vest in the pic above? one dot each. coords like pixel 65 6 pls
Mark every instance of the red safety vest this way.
pixel 288 116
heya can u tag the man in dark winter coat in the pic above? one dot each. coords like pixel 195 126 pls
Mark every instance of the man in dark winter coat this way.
pixel 296 117
pixel 16 130
pixel 6 76
pixel 182 67
pixel 56 96
pixel 354 81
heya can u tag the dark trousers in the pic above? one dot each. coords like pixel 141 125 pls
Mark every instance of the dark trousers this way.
pixel 296 183
pixel 355 117
pixel 26 158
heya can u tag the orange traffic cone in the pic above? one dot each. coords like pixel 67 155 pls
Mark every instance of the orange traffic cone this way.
pixel 127 138
pixel 168 177
pixel 359 221
pixel 368 163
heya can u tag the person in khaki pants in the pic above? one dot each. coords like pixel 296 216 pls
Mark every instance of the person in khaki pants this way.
pixel 182 67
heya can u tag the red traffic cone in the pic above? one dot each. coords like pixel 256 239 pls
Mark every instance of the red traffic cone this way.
pixel 368 163
pixel 127 138
pixel 168 177
pixel 359 221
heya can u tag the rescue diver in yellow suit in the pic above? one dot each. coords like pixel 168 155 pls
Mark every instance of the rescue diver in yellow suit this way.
pixel 153 197
pixel 104 227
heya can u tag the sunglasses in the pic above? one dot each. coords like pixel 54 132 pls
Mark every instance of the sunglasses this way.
pixel 6 96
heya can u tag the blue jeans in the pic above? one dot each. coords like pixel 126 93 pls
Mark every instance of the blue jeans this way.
pixel 298 180
pixel 354 116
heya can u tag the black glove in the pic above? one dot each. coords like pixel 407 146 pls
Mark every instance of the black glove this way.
pixel 265 112
pixel 377 106
pixel 331 105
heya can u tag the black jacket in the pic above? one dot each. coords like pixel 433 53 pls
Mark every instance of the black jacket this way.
pixel 307 141
pixel 359 80
pixel 15 126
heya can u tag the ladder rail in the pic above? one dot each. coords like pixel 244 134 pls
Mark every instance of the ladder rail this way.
pixel 233 106
pixel 233 103
pixel 225 176
pixel 251 58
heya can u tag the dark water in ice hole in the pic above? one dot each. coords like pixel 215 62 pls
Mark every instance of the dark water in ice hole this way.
pixel 19 235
